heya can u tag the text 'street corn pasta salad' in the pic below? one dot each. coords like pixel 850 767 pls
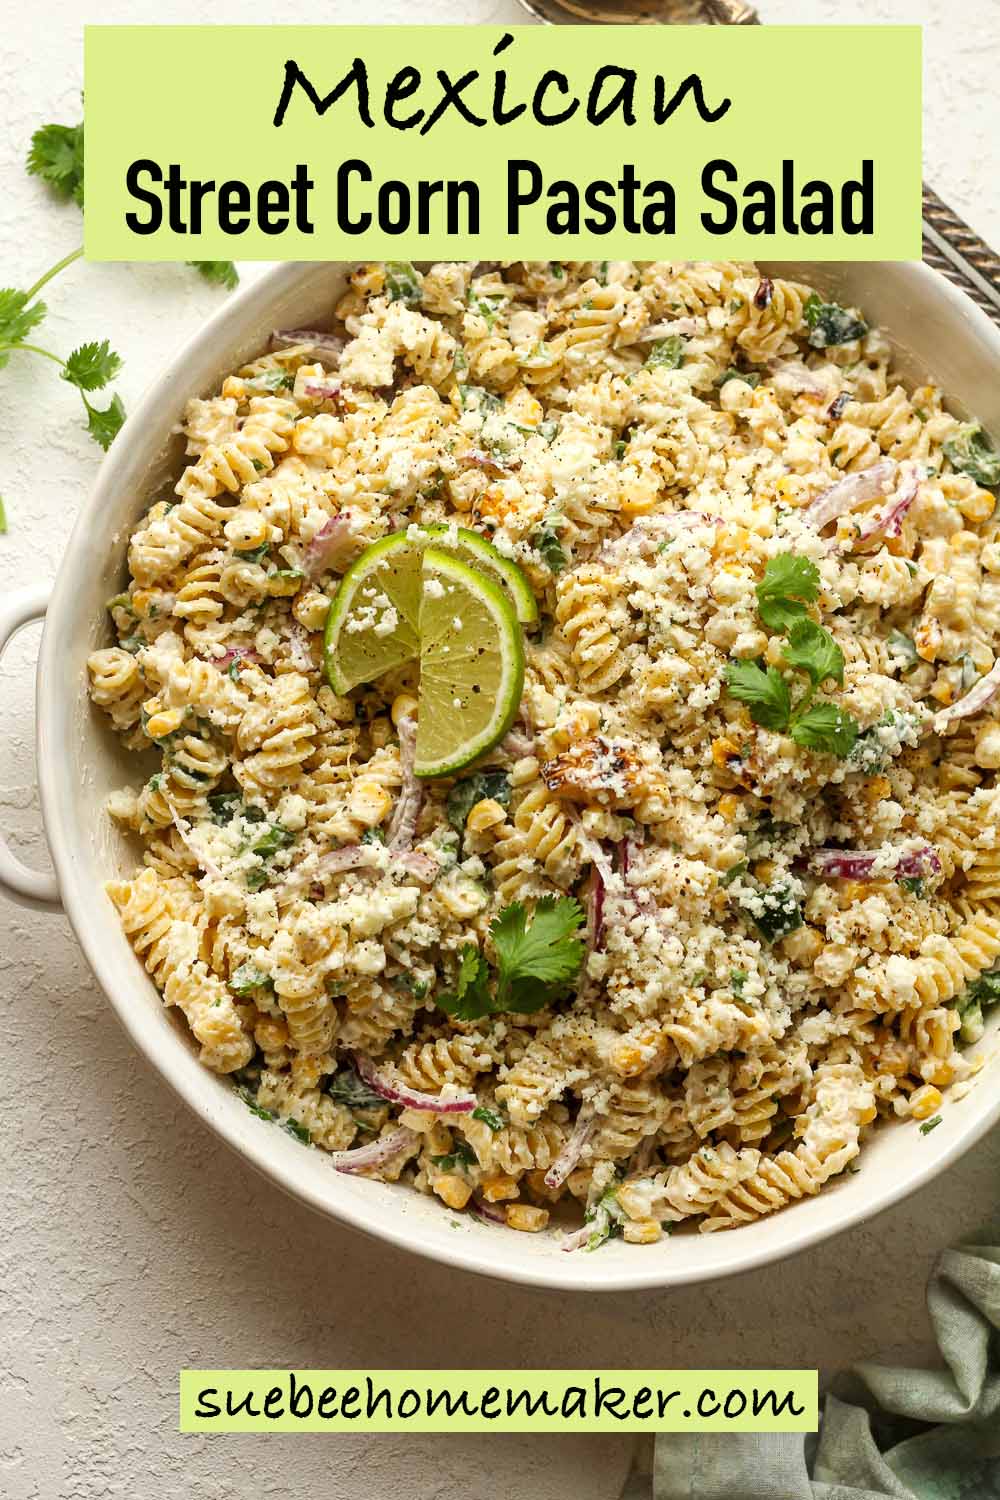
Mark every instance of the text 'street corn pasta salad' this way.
pixel 724 884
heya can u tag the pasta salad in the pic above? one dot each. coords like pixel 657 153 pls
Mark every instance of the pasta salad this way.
pixel 722 888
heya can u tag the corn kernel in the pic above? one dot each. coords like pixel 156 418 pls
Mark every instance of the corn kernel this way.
pixel 627 1059
pixel 728 806
pixel 637 499
pixel 939 1071
pixel 641 1231
pixel 987 751
pixel 765 870
pixel 853 890
pixel 525 1217
pixel 724 752
pixel 803 946
pixel 925 1101
pixel 284 585
pixel 311 608
pixel 498 1187
pixel 927 640
pixel 485 814
pixel 978 506
pixel 404 706
pixel 369 802
pixel 159 725
pixel 454 1190
pixel 876 789
pixel 867 1115
pixel 247 530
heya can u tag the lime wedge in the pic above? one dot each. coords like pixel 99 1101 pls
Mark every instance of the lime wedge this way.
pixel 374 620
pixel 475 549
pixel 471 665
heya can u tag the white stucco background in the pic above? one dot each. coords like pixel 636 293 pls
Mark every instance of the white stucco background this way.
pixel 132 1243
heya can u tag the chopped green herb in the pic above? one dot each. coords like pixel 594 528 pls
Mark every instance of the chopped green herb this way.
pixel 298 1131
pixel 738 978
pixel 747 376
pixel 418 988
pixel 274 837
pixel 831 324
pixel 250 1100
pixel 972 453
pixel 489 1117
pixel 734 872
pixel 460 1159
pixel 666 354
pixel 929 1125
pixel 403 283
pixel 255 554
pixel 902 646
pixel 247 978
pixel 347 1088
pixel 546 543
pixel 774 911
pixel 221 272
pixel 468 790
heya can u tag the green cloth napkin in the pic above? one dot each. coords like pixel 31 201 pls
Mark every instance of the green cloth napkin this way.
pixel 912 1434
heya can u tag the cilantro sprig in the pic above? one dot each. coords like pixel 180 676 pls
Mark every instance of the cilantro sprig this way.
pixel 56 157
pixel 536 962
pixel 790 584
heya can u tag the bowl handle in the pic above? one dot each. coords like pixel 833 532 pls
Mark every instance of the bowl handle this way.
pixel 35 888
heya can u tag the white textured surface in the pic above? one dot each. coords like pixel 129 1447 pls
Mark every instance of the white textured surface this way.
pixel 132 1244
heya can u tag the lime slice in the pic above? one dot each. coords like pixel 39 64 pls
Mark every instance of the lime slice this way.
pixel 374 620
pixel 471 665
pixel 475 549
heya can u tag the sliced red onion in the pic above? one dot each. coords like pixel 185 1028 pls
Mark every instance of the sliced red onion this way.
pixel 321 390
pixel 490 1213
pixel 860 864
pixel 686 327
pixel 595 911
pixel 406 813
pixel 889 520
pixel 236 653
pixel 796 379
pixel 334 862
pixel 517 744
pixel 586 1124
pixel 478 459
pixel 323 343
pixel 976 698
pixel 461 1104
pixel 867 484
pixel 375 1153
pixel 332 545
pixel 643 538
pixel 421 866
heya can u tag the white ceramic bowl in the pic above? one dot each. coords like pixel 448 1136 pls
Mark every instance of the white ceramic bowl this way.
pixel 937 330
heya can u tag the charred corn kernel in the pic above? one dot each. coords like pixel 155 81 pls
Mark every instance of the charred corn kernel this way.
pixel 369 802
pixel 454 1190
pixel 876 789
pixel 938 1071
pixel 724 752
pixel 765 870
pixel 485 814
pixel 404 706
pixel 525 1217
pixel 311 608
pixel 285 583
pixel 803 946
pixel 641 1231
pixel 498 1187
pixel 728 806
pixel 159 725
pixel 247 530
pixel 380 731
pixel 628 1058
pixel 925 1102
pixel 978 506
pixel 927 640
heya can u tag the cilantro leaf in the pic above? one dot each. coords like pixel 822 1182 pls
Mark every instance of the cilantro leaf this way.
pixel 490 1117
pixel 826 727
pixel 813 650
pixel 403 283
pixel 930 1125
pixel 788 585
pixel 17 318
pixel 546 542
pixel 91 366
pixel 666 354
pixel 972 453
pixel 349 1089
pixel 829 323
pixel 536 961
pixel 104 426
pixel 221 272
pixel 471 999
pixel 56 156
pixel 750 378
pixel 764 692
